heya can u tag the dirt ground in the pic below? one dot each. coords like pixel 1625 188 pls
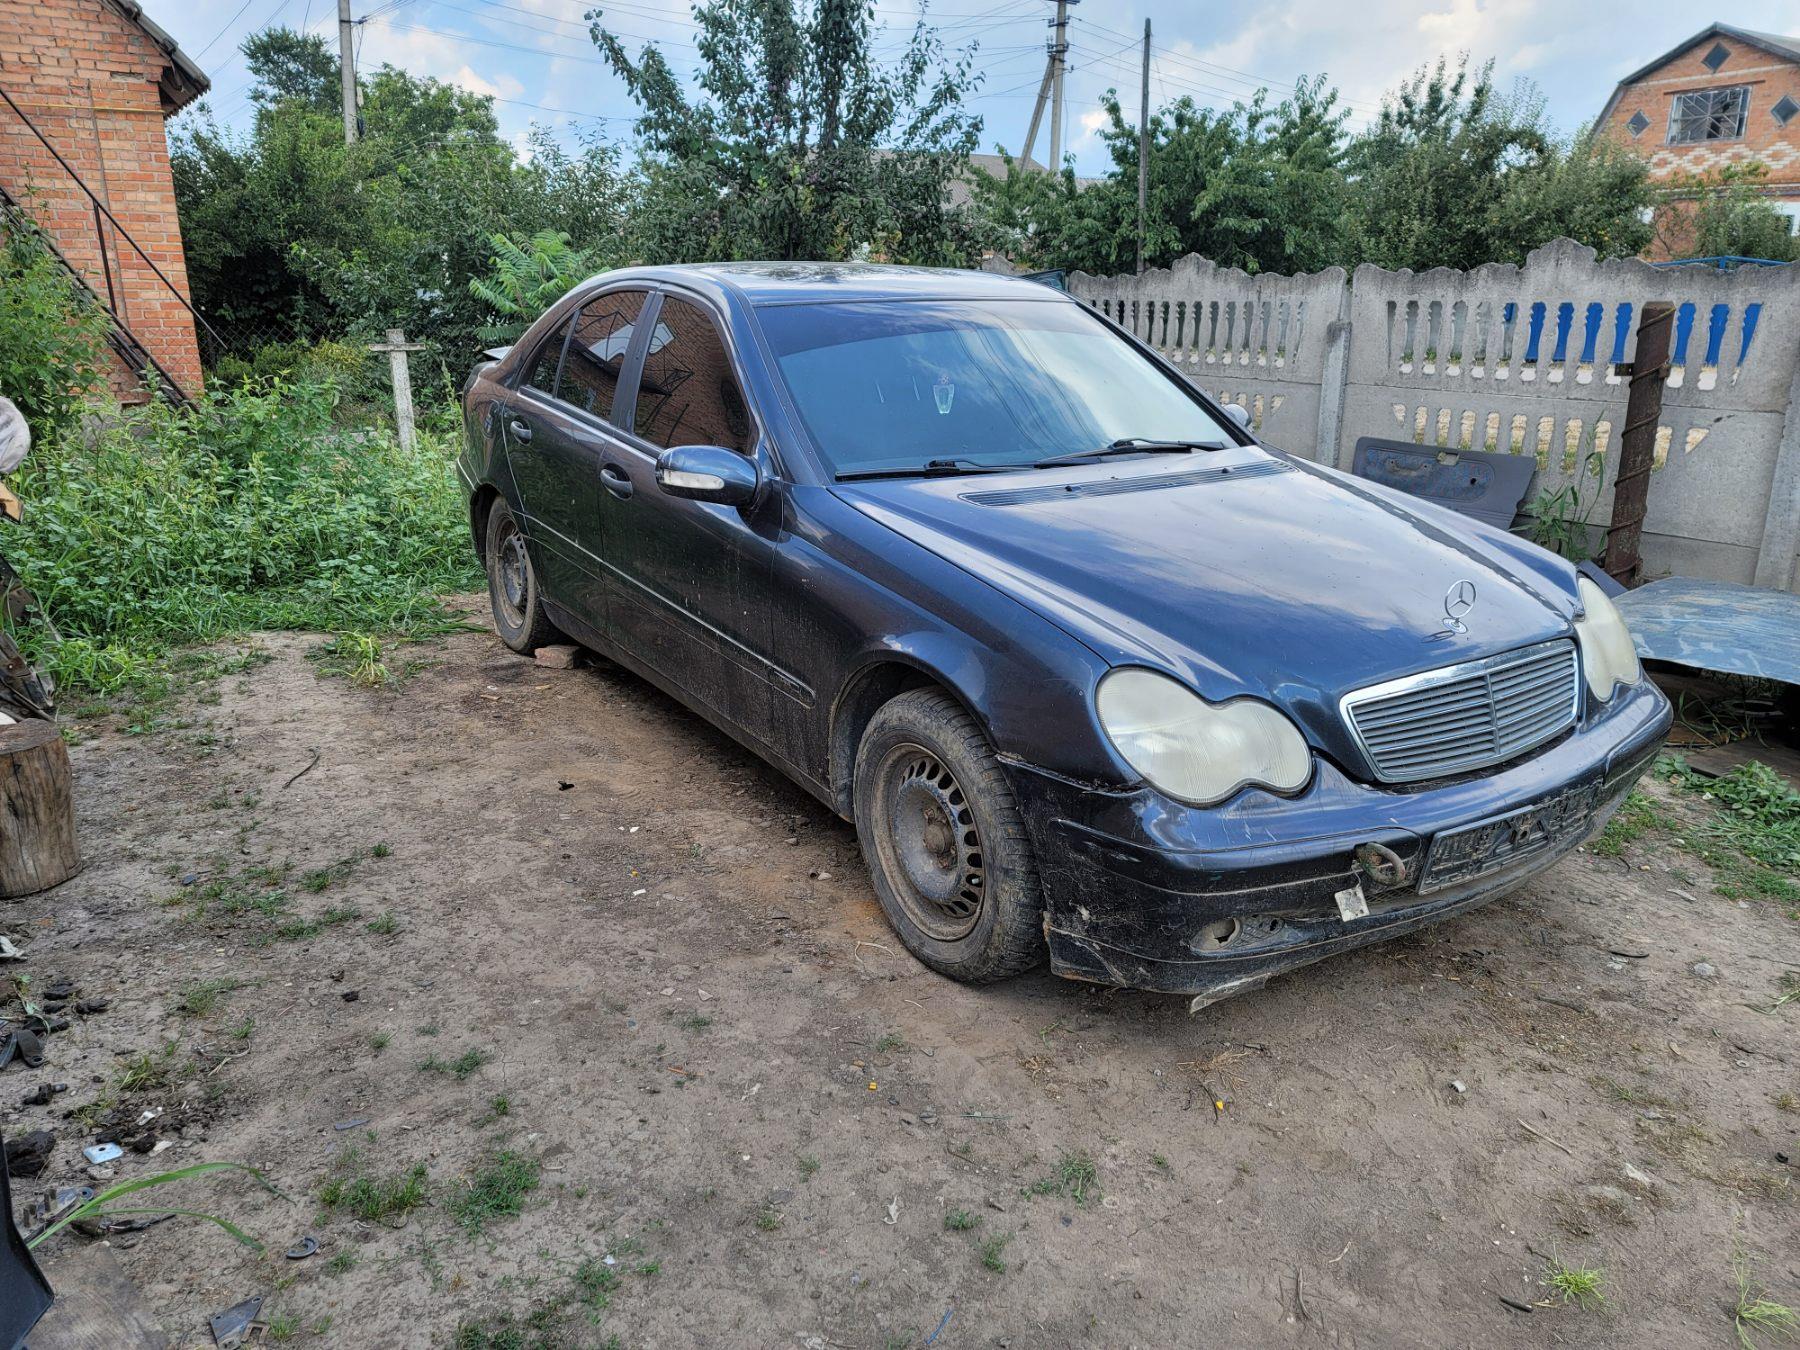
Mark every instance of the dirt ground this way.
pixel 724 1073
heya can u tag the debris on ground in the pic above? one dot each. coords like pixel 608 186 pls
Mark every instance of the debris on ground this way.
pixel 231 1328
pixel 28 1154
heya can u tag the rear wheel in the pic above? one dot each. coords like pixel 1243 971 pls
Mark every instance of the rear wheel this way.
pixel 513 590
pixel 945 843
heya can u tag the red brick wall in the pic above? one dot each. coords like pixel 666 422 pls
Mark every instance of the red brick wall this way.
pixel 1765 140
pixel 88 78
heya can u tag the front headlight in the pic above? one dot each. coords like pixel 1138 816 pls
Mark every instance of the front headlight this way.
pixel 1608 655
pixel 1197 751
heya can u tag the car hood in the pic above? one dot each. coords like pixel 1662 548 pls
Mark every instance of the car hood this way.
pixel 1242 571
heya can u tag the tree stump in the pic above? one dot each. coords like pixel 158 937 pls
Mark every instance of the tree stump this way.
pixel 37 809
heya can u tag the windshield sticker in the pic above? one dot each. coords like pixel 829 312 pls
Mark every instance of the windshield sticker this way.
pixel 943 391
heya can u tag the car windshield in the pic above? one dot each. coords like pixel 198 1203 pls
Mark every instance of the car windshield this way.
pixel 890 386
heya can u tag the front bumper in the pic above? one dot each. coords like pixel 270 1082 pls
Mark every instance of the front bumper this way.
pixel 1148 893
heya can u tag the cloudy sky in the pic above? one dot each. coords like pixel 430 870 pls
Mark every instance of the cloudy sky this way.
pixel 535 58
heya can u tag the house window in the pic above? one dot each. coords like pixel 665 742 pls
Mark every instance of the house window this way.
pixel 1784 111
pixel 1717 57
pixel 1709 115
pixel 1638 124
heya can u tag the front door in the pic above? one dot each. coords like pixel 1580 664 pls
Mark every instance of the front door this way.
pixel 688 580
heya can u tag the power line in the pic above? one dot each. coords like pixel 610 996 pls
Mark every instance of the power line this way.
pixel 226 29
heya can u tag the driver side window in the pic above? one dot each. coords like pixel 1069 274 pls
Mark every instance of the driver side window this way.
pixel 688 393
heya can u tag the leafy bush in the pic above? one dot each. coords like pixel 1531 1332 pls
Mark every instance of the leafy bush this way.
pixel 359 377
pixel 526 279
pixel 250 511
pixel 52 338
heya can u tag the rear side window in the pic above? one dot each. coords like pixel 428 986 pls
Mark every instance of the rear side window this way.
pixel 603 332
pixel 688 393
pixel 542 376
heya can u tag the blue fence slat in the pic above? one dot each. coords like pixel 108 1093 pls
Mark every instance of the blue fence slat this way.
pixel 1621 332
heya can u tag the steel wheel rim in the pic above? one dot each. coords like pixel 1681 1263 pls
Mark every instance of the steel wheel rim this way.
pixel 931 843
pixel 512 576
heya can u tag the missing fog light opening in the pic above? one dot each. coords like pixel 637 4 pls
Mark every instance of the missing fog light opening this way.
pixel 1221 933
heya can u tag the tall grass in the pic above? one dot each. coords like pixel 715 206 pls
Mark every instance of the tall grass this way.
pixel 156 528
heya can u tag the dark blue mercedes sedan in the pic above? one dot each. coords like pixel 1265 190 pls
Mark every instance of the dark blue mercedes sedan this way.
pixel 1094 674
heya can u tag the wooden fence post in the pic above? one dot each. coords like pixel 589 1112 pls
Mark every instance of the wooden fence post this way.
pixel 1637 447
pixel 396 348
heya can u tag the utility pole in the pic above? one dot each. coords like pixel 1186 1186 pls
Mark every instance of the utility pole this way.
pixel 347 69
pixel 1037 112
pixel 1059 53
pixel 1143 148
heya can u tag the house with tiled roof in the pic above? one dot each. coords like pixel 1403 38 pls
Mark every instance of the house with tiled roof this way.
pixel 1726 96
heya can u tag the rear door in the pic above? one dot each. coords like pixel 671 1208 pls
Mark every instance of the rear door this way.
pixel 557 434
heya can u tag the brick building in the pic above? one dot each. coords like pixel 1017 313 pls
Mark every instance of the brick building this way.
pixel 97 79
pixel 1726 96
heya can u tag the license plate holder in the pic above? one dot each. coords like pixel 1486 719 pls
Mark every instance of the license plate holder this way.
pixel 1497 843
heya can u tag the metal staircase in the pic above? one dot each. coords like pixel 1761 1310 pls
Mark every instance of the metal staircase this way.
pixel 124 343
pixel 119 337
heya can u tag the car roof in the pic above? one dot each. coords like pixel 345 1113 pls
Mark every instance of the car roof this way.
pixel 790 283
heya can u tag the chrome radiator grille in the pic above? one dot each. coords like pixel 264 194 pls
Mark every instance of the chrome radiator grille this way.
pixel 1466 716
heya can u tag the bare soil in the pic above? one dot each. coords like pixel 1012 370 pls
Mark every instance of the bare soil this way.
pixel 738 1085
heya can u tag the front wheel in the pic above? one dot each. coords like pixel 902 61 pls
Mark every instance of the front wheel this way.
pixel 513 590
pixel 945 843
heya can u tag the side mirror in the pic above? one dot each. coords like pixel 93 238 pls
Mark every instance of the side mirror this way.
pixel 708 473
pixel 1239 414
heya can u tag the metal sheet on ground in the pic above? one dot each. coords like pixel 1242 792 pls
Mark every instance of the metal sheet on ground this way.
pixel 1716 625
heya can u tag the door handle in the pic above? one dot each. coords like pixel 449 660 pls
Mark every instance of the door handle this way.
pixel 617 481
pixel 520 432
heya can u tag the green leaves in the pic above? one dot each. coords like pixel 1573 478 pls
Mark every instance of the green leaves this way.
pixel 796 142
pixel 250 511
pixel 526 279
pixel 101 1205
pixel 52 337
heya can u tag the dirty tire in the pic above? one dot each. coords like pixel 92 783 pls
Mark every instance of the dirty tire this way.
pixel 944 840
pixel 513 592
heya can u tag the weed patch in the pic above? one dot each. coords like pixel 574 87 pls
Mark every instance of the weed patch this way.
pixel 202 996
pixel 249 511
pixel 993 1252
pixel 459 1068
pixel 1583 1286
pixel 1635 818
pixel 1075 1177
pixel 1753 842
pixel 375 1198
pixel 495 1191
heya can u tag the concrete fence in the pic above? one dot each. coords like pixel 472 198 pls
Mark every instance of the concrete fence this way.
pixel 1519 360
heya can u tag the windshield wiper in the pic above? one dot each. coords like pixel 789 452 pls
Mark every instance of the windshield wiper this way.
pixel 931 468
pixel 1130 445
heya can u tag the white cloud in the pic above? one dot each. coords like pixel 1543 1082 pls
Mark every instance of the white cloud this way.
pixel 502 86
pixel 1092 123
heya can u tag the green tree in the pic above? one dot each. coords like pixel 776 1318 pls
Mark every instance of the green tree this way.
pixel 1452 174
pixel 1257 186
pixel 294 237
pixel 797 142
pixel 294 68
pixel 1730 217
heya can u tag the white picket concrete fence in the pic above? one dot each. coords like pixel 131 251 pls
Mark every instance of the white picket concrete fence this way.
pixel 1520 360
